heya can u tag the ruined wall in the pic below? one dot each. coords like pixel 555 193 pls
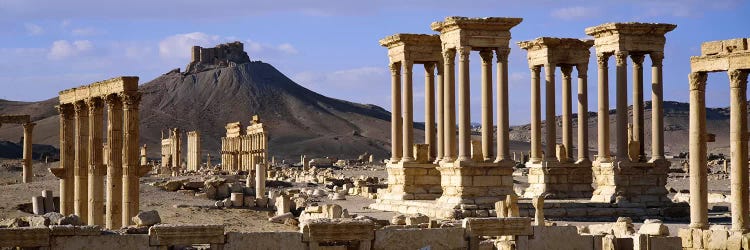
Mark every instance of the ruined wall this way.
pixel 223 55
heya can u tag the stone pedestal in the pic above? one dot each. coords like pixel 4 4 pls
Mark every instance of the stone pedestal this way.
pixel 634 182
pixel 479 184
pixel 412 181
pixel 560 180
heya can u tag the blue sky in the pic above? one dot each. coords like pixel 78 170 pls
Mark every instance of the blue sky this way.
pixel 328 46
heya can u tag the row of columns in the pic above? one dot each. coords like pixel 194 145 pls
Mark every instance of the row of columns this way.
pixel 657 119
pixel 82 172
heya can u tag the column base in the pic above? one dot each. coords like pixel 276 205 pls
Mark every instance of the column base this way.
pixel 412 181
pixel 478 184
pixel 630 182
pixel 559 180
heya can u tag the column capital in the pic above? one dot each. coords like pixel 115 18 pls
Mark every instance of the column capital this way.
pixel 582 69
pixel 637 58
pixel 395 68
pixel 486 55
pixel 502 54
pixel 621 58
pixel 131 100
pixel 449 56
pixel 463 53
pixel 566 70
pixel 113 101
pixel 549 69
pixel 408 65
pixel 737 78
pixel 65 110
pixel 429 67
pixel 698 81
pixel 94 104
pixel 656 58
pixel 535 69
pixel 602 59
pixel 80 107
pixel 28 125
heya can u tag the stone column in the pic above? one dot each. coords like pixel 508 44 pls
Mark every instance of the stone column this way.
pixel 464 105
pixel 603 108
pixel 738 148
pixel 657 110
pixel 449 106
pixel 503 140
pixel 408 117
pixel 81 161
pixel 536 116
pixel 28 173
pixel 130 188
pixel 567 111
pixel 697 141
pixel 621 128
pixel 549 102
pixel 395 112
pixel 260 181
pixel 583 112
pixel 429 106
pixel 67 158
pixel 638 106
pixel 96 165
pixel 440 144
pixel 486 56
pixel 114 162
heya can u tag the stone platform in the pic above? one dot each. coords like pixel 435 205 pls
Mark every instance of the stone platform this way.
pixel 563 180
pixel 635 182
pixel 571 209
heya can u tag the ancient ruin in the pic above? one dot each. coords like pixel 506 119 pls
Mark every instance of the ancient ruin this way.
pixel 194 150
pixel 619 177
pixel 171 151
pixel 81 172
pixel 560 175
pixel 227 54
pixel 242 149
pixel 28 130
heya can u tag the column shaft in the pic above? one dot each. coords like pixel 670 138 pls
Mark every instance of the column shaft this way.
pixel 395 112
pixel 67 159
pixel 603 108
pixel 567 111
pixel 549 102
pixel 449 108
pixel 429 106
pixel 638 106
pixel 96 165
pixel 536 116
pixel 738 148
pixel 464 117
pixel 130 173
pixel 114 162
pixel 486 94
pixel 621 128
pixel 697 141
pixel 440 144
pixel 583 112
pixel 657 108
pixel 503 140
pixel 408 117
pixel 28 172
pixel 81 161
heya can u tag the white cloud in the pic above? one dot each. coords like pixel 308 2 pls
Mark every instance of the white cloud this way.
pixel 349 83
pixel 575 13
pixel 287 48
pixel 178 46
pixel 62 49
pixel 33 29
pixel 259 48
pixel 83 31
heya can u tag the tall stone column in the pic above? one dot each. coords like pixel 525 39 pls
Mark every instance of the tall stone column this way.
pixel 395 112
pixel 738 148
pixel 96 164
pixel 567 111
pixel 603 108
pixel 408 117
pixel 114 162
pixel 638 106
pixel 449 108
pixel 503 140
pixel 549 102
pixel 583 112
pixel 440 144
pixel 464 105
pixel 67 159
pixel 657 107
pixel 697 141
pixel 260 181
pixel 621 128
pixel 28 171
pixel 486 56
pixel 130 173
pixel 82 160
pixel 536 116
pixel 429 106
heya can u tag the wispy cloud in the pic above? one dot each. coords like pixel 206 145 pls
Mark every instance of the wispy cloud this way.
pixel 62 49
pixel 575 13
pixel 33 29
pixel 84 31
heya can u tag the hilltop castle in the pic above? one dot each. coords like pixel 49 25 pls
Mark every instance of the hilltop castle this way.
pixel 228 54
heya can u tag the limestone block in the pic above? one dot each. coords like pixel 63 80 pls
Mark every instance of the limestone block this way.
pixel 24 237
pixel 497 226
pixel 717 239
pixel 37 204
pixel 283 204
pixel 654 229
pixel 634 148
pixel 476 150
pixel 398 220
pixel 114 241
pixel 237 199
pixel 686 235
pixel 421 153
pixel 551 238
pixel 417 219
pixel 147 218
pixel 412 238
pixel 666 243
pixel 538 203
pixel 561 152
pixel 165 235
pixel 249 201
pixel 280 218
pixel 264 240
pixel 49 202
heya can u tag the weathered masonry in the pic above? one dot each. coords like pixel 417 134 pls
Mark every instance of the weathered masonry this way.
pixel 171 151
pixel 28 129
pixel 241 149
pixel 194 150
